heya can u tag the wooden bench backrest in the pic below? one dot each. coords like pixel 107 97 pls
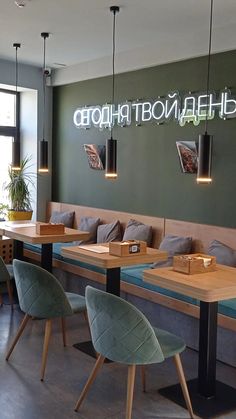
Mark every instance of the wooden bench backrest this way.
pixel 202 234
pixel 109 216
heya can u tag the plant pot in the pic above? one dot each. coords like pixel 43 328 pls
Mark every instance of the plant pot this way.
pixel 19 215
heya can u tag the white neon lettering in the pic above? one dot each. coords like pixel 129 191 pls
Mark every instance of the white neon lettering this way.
pixel 77 118
pixel 188 113
pixel 105 117
pixel 137 106
pixel 146 111
pixel 125 114
pixel 158 104
pixel 96 116
pixel 173 111
pixel 229 105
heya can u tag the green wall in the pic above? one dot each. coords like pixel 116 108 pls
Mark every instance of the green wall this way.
pixel 150 180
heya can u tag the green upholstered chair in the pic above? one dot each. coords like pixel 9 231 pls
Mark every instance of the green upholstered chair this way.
pixel 121 333
pixel 41 296
pixel 6 276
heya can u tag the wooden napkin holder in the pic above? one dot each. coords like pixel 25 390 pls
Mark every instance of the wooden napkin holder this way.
pixel 50 228
pixel 194 263
pixel 127 248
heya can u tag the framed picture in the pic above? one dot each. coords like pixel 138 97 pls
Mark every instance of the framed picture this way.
pixel 187 151
pixel 96 156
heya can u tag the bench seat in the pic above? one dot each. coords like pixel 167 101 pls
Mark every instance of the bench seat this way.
pixel 134 275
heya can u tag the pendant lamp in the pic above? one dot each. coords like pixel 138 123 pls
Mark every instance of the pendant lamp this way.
pixel 111 145
pixel 16 141
pixel 205 140
pixel 43 144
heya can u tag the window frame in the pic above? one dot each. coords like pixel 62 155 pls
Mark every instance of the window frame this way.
pixel 12 131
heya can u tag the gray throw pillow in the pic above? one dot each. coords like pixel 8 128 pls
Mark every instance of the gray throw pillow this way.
pixel 109 232
pixel 66 218
pixel 173 245
pixel 138 231
pixel 224 254
pixel 89 224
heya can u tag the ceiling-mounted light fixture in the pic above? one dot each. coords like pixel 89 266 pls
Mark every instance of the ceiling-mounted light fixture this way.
pixel 205 140
pixel 43 144
pixel 111 146
pixel 21 3
pixel 16 141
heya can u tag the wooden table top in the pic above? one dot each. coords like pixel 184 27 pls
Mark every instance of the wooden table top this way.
pixel 107 261
pixel 28 234
pixel 209 286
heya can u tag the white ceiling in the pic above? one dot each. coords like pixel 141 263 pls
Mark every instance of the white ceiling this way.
pixel 81 30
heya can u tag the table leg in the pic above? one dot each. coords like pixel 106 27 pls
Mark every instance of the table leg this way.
pixel 46 256
pixel 18 250
pixel 113 281
pixel 210 398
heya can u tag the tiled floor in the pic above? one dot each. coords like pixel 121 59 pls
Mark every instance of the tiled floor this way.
pixel 24 396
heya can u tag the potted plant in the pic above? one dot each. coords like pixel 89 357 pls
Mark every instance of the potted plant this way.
pixel 18 191
pixel 3 211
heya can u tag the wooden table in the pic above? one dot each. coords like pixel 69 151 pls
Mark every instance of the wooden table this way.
pixel 111 263
pixel 23 233
pixel 209 397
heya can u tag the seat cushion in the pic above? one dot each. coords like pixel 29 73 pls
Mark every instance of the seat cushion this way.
pixel 169 343
pixel 77 302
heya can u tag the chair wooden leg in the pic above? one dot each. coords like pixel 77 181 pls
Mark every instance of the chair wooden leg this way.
pixel 10 294
pixel 63 329
pixel 48 329
pixel 130 390
pixel 183 384
pixel 143 375
pixel 90 381
pixel 18 335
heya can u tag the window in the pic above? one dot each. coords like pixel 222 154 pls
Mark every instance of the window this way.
pixel 9 129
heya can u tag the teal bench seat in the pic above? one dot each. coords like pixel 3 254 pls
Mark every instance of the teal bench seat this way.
pixel 134 275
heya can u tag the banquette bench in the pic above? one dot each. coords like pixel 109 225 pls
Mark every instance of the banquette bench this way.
pixel 162 301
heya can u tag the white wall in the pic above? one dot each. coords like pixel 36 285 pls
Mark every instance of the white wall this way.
pixel 30 77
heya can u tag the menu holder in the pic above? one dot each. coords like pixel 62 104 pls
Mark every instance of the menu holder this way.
pixel 128 248
pixel 194 263
pixel 50 228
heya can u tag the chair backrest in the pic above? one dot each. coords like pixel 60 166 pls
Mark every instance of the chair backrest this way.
pixel 40 293
pixel 120 332
pixel 4 274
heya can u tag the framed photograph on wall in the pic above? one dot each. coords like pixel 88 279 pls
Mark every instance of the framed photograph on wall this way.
pixel 96 156
pixel 187 151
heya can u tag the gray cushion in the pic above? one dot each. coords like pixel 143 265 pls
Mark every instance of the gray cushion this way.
pixel 109 232
pixel 89 224
pixel 66 218
pixel 138 231
pixel 224 254
pixel 173 245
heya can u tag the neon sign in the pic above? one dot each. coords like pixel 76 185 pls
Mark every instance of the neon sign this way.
pixel 173 107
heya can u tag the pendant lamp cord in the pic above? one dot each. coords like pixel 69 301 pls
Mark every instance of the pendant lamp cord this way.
pixel 16 70
pixel 113 61
pixel 44 84
pixel 208 68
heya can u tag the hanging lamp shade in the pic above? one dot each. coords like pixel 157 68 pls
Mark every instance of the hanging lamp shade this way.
pixel 15 165
pixel 111 158
pixel 111 145
pixel 205 140
pixel 204 158
pixel 43 144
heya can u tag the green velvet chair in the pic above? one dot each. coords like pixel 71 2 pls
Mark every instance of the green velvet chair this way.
pixel 6 276
pixel 41 296
pixel 121 333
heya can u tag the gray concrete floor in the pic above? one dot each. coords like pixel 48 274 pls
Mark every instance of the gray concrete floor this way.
pixel 24 396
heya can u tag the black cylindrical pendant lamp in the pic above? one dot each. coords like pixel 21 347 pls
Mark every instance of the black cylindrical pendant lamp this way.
pixel 15 165
pixel 43 156
pixel 111 151
pixel 43 145
pixel 204 158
